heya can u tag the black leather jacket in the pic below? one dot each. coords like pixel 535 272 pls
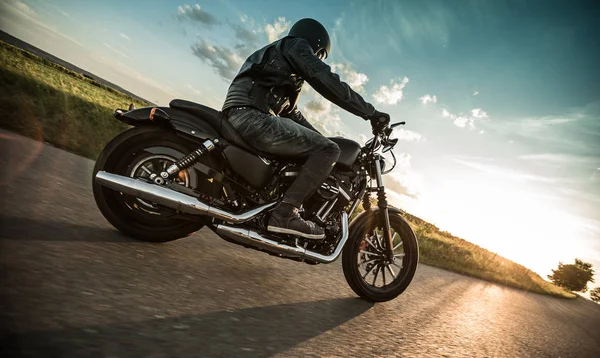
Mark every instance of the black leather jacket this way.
pixel 272 77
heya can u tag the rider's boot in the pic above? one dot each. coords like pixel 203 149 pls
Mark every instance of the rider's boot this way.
pixel 285 219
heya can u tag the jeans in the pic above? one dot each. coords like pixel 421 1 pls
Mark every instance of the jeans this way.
pixel 285 138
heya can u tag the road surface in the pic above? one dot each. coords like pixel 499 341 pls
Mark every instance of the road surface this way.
pixel 72 286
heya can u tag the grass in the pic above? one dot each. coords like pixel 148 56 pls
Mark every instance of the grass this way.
pixel 48 102
pixel 442 249
pixel 51 103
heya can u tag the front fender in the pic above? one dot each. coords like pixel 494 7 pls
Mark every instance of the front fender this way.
pixel 366 215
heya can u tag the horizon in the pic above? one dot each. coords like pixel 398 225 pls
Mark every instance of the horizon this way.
pixel 502 142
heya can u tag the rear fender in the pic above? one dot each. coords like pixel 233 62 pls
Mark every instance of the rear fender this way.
pixel 180 121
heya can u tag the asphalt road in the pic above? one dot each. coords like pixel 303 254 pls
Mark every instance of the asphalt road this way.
pixel 72 286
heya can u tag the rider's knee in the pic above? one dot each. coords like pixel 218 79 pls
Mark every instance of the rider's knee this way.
pixel 333 149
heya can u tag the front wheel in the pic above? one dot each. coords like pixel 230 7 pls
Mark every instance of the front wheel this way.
pixel 366 268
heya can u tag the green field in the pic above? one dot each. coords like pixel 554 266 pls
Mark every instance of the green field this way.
pixel 442 249
pixel 50 103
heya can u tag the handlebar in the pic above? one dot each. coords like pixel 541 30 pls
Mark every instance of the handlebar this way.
pixel 387 130
pixel 383 136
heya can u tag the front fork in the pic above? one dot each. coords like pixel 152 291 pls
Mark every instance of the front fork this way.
pixel 383 212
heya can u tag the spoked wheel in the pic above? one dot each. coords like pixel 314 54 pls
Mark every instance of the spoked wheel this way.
pixel 139 153
pixel 373 263
pixel 146 165
pixel 368 270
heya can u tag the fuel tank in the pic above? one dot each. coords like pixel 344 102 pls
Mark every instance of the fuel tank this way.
pixel 349 151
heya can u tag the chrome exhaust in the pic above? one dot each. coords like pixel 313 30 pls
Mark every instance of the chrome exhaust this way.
pixel 172 199
pixel 252 238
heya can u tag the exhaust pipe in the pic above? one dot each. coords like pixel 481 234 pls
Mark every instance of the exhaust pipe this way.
pixel 190 205
pixel 252 238
pixel 172 199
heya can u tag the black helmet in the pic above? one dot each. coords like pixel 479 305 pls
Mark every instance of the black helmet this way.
pixel 312 31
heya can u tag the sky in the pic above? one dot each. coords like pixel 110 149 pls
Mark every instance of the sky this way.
pixel 501 98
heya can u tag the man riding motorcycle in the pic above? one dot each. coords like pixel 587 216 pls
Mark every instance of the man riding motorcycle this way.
pixel 261 104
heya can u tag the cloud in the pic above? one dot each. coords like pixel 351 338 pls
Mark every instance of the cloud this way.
pixel 249 40
pixel 196 14
pixel 243 34
pixel 461 120
pixel 475 93
pixel 317 106
pixel 428 98
pixel 61 11
pixel 323 116
pixel 277 29
pixel 561 159
pixel 195 91
pixel 544 122
pixel 362 139
pixel 575 131
pixel 20 7
pixel 24 8
pixel 121 53
pixel 478 113
pixel 355 79
pixel 402 179
pixel 125 36
pixel 223 59
pixel 507 173
pixel 404 134
pixel 391 95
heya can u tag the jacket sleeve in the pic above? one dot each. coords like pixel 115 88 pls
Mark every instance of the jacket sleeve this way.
pixel 318 74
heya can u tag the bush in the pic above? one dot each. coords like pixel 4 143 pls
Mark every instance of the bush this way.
pixel 573 277
pixel 595 294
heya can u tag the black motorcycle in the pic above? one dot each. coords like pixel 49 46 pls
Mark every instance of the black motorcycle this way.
pixel 184 167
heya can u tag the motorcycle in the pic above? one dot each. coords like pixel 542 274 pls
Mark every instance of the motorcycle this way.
pixel 183 167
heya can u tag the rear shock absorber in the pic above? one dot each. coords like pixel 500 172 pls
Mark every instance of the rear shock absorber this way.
pixel 189 159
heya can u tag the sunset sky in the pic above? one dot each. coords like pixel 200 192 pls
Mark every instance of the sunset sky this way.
pixel 501 98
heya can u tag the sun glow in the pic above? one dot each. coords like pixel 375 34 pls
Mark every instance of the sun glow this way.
pixel 517 222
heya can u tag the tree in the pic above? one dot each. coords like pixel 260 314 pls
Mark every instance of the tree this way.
pixel 573 277
pixel 595 294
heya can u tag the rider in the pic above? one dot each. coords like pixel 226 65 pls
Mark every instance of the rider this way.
pixel 261 106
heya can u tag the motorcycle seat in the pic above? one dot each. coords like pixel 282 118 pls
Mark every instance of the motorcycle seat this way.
pixel 349 149
pixel 216 121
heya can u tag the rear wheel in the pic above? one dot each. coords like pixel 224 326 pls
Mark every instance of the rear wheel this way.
pixel 366 268
pixel 138 153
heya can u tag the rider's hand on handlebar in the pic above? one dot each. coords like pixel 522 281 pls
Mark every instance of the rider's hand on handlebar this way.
pixel 379 121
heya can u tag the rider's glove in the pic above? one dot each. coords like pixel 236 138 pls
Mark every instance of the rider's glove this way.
pixel 379 121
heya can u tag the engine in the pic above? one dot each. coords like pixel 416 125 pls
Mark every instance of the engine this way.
pixel 333 195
